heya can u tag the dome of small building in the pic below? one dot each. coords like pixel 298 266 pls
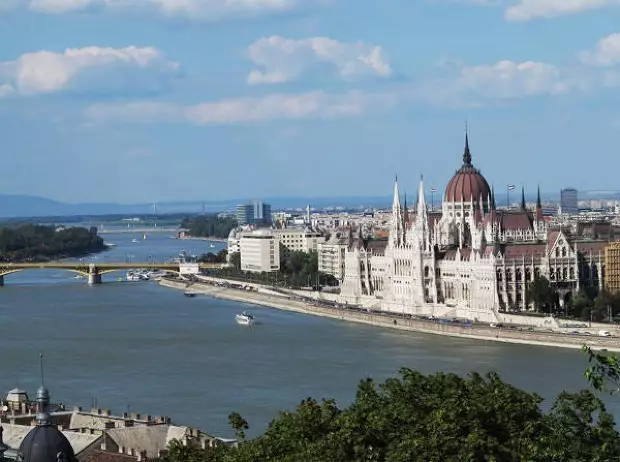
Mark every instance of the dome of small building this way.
pixel 45 443
pixel 467 183
pixel 232 234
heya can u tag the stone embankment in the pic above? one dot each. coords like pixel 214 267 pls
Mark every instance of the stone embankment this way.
pixel 479 332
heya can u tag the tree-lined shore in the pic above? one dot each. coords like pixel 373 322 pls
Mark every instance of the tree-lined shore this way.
pixel 30 242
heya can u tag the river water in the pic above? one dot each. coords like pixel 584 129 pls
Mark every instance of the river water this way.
pixel 138 347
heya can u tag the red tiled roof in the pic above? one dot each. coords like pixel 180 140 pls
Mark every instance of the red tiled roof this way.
pixel 515 220
pixel 594 247
pixel 519 251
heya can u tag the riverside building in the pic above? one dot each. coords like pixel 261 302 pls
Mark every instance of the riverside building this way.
pixel 469 259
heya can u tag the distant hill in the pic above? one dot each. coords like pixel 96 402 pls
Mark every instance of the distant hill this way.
pixel 12 206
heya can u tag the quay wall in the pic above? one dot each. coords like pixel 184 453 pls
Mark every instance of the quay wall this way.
pixel 478 332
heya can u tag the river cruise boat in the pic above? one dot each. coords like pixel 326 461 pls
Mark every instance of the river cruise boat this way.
pixel 245 319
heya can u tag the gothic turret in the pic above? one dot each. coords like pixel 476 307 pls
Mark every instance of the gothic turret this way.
pixel 396 223
pixel 523 204
pixel 539 212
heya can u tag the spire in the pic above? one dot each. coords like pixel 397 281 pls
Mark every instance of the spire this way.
pixel 405 211
pixel 466 153
pixel 523 207
pixel 396 226
pixel 539 214
pixel 43 400
pixel 421 198
pixel 492 204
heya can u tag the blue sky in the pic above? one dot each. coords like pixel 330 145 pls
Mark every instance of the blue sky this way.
pixel 135 100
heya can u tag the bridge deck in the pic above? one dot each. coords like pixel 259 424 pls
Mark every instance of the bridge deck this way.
pixel 101 266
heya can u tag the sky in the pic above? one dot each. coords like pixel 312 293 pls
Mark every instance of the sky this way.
pixel 140 100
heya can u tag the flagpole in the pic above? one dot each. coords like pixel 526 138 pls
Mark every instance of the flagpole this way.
pixel 507 196
pixel 432 199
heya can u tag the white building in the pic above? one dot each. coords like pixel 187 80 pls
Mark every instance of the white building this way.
pixel 298 239
pixel 260 251
pixel 331 256
pixel 470 260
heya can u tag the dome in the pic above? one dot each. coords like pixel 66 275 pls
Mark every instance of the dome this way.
pixel 467 183
pixel 45 443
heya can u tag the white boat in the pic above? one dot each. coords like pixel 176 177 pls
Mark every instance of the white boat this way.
pixel 134 240
pixel 245 319
pixel 212 246
pixel 133 277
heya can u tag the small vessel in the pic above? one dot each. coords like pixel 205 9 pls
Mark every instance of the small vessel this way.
pixel 109 244
pixel 245 319
pixel 78 276
pixel 131 276
pixel 189 293
pixel 144 237
pixel 134 240
pixel 212 246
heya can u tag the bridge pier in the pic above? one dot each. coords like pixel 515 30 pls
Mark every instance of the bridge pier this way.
pixel 1 280
pixel 94 276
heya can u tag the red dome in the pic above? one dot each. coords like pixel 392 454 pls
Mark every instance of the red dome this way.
pixel 467 183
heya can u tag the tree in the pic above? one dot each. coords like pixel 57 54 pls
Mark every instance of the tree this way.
pixel 604 372
pixel 239 424
pixel 436 418
pixel 235 260
pixel 541 293
pixel 581 305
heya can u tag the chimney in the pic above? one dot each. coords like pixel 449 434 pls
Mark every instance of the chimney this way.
pixel 135 416
pixel 125 415
pixel 104 445
pixel 128 423
pixel 162 453
pixel 141 456
pixel 107 413
pixel 147 418
pixel 110 424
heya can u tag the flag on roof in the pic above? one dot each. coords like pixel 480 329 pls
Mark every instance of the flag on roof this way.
pixel 511 186
pixel 433 189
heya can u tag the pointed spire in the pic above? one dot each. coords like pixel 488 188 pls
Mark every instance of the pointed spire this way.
pixel 492 204
pixel 539 213
pixel 523 206
pixel 43 400
pixel 538 201
pixel 405 211
pixel 466 152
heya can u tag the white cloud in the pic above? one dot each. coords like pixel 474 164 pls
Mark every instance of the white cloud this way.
pixel 508 79
pixel 189 9
pixel 313 105
pixel 527 10
pixel 283 59
pixel 81 68
pixel 607 52
pixel 6 90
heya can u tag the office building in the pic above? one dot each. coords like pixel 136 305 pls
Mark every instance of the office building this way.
pixel 568 201
pixel 260 251
pixel 611 275
pixel 254 213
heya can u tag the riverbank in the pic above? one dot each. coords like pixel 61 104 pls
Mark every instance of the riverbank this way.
pixel 477 332
pixel 212 239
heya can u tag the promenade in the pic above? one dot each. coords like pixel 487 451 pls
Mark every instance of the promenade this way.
pixel 265 297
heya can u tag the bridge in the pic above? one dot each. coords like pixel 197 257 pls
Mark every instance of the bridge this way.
pixel 94 271
pixel 142 230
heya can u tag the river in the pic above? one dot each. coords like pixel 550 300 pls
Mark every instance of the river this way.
pixel 140 347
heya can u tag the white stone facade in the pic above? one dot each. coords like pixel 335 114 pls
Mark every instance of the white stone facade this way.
pixel 260 251
pixel 471 260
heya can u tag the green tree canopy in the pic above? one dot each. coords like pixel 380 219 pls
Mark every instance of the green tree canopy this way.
pixel 541 293
pixel 441 417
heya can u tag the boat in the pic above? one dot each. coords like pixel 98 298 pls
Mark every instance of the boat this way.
pixel 212 246
pixel 109 244
pixel 134 240
pixel 189 293
pixel 131 276
pixel 144 237
pixel 245 319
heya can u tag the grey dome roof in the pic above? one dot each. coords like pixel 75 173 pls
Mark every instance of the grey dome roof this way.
pixel 45 443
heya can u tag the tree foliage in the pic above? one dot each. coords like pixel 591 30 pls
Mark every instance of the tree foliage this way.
pixel 211 257
pixel 604 372
pixel 30 242
pixel 441 417
pixel 541 293
pixel 209 226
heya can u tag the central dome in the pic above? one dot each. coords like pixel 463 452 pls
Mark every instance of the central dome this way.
pixel 467 183
pixel 45 443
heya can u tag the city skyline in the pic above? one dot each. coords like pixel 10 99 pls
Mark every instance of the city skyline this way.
pixel 129 101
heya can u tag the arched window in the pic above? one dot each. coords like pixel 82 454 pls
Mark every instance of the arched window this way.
pixel 500 277
pixel 557 251
pixel 572 273
pixel 594 271
pixel 508 275
pixel 564 274
pixel 552 274
pixel 563 251
pixel 426 271
pixel 586 271
pixel 536 272
pixel 528 274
